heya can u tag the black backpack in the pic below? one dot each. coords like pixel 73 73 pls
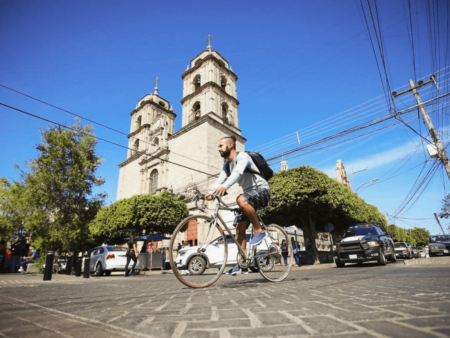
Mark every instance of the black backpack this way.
pixel 264 170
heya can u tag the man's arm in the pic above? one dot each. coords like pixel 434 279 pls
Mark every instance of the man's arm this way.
pixel 217 188
pixel 243 162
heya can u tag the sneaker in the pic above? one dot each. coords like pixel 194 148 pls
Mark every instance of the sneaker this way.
pixel 234 271
pixel 258 238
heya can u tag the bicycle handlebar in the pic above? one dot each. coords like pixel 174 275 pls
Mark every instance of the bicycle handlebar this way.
pixel 199 197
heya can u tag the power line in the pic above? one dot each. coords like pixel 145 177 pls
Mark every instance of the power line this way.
pixel 92 121
pixel 101 139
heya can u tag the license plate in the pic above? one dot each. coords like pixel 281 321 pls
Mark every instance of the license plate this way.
pixel 352 256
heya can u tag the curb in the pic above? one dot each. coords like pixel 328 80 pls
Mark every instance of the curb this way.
pixel 428 261
pixel 294 268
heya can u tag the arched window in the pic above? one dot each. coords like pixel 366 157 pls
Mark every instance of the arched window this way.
pixel 197 111
pixel 197 82
pixel 136 147
pixel 223 82
pixel 139 122
pixel 225 112
pixel 153 181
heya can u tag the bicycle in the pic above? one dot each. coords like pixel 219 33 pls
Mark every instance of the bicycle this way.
pixel 203 264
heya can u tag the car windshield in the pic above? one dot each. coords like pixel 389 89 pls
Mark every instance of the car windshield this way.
pixel 360 232
pixel 400 245
pixel 440 238
pixel 115 248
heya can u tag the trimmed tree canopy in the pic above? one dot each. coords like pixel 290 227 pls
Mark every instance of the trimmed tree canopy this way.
pixel 306 196
pixel 153 213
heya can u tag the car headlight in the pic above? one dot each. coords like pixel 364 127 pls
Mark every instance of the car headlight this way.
pixel 373 243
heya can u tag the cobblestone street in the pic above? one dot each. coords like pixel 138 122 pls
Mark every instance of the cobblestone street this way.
pixel 395 301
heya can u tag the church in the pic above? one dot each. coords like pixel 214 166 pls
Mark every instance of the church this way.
pixel 187 160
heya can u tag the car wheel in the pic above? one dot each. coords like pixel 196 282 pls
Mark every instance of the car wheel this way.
pixel 108 273
pixel 197 265
pixel 339 263
pixel 393 257
pixel 98 270
pixel 381 258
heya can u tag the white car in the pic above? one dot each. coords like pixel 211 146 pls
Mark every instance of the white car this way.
pixel 109 258
pixel 189 258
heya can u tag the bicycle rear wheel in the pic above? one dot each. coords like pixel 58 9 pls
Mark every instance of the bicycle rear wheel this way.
pixel 202 262
pixel 269 255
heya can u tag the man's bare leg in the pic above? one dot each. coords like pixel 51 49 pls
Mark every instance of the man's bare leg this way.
pixel 240 229
pixel 250 212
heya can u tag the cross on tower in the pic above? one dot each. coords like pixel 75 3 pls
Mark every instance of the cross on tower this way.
pixel 208 40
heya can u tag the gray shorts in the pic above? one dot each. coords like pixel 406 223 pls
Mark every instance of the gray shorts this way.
pixel 257 199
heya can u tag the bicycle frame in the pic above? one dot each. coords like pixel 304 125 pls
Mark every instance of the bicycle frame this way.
pixel 216 216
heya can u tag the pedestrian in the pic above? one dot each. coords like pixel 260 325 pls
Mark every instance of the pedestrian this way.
pixel 131 254
pixel 296 251
pixel 7 264
pixel 17 252
pixel 284 251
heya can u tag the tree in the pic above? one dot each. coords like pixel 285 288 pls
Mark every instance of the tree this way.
pixel 59 189
pixel 152 213
pixel 13 208
pixel 445 208
pixel 421 237
pixel 310 199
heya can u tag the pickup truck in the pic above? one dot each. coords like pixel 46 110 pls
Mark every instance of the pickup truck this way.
pixel 362 243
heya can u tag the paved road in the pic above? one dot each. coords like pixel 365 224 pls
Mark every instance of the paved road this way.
pixel 395 301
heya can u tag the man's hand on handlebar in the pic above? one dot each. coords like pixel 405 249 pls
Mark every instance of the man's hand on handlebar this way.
pixel 220 191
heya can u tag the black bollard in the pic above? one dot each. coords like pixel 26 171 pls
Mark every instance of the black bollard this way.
pixel 69 265
pixel 87 263
pixel 78 272
pixel 49 265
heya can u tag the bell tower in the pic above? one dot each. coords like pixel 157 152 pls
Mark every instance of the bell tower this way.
pixel 209 88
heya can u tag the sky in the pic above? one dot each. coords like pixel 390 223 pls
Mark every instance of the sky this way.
pixel 307 70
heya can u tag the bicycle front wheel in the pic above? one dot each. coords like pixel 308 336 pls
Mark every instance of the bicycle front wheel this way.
pixel 198 251
pixel 274 259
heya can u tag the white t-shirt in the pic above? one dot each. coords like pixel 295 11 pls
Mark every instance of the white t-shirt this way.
pixel 247 180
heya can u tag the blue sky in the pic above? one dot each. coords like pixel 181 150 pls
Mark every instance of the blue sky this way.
pixel 305 67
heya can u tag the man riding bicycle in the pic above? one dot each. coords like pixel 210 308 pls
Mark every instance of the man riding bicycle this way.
pixel 256 192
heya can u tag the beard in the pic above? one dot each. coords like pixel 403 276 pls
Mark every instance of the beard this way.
pixel 225 153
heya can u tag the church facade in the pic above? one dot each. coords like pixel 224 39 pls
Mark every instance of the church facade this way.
pixel 187 160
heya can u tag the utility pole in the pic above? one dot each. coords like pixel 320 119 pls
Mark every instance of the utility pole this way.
pixel 437 220
pixel 440 149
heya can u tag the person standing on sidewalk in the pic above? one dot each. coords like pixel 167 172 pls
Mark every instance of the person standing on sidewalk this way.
pixel 284 251
pixel 296 251
pixel 132 254
pixel 16 255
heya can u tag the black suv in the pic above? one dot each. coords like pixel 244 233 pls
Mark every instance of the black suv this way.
pixel 362 243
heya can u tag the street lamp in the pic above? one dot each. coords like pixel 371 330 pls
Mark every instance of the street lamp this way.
pixel 375 179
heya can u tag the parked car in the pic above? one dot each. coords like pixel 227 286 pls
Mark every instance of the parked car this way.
pixel 415 252
pixel 362 243
pixel 106 259
pixel 188 258
pixel 439 245
pixel 403 250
